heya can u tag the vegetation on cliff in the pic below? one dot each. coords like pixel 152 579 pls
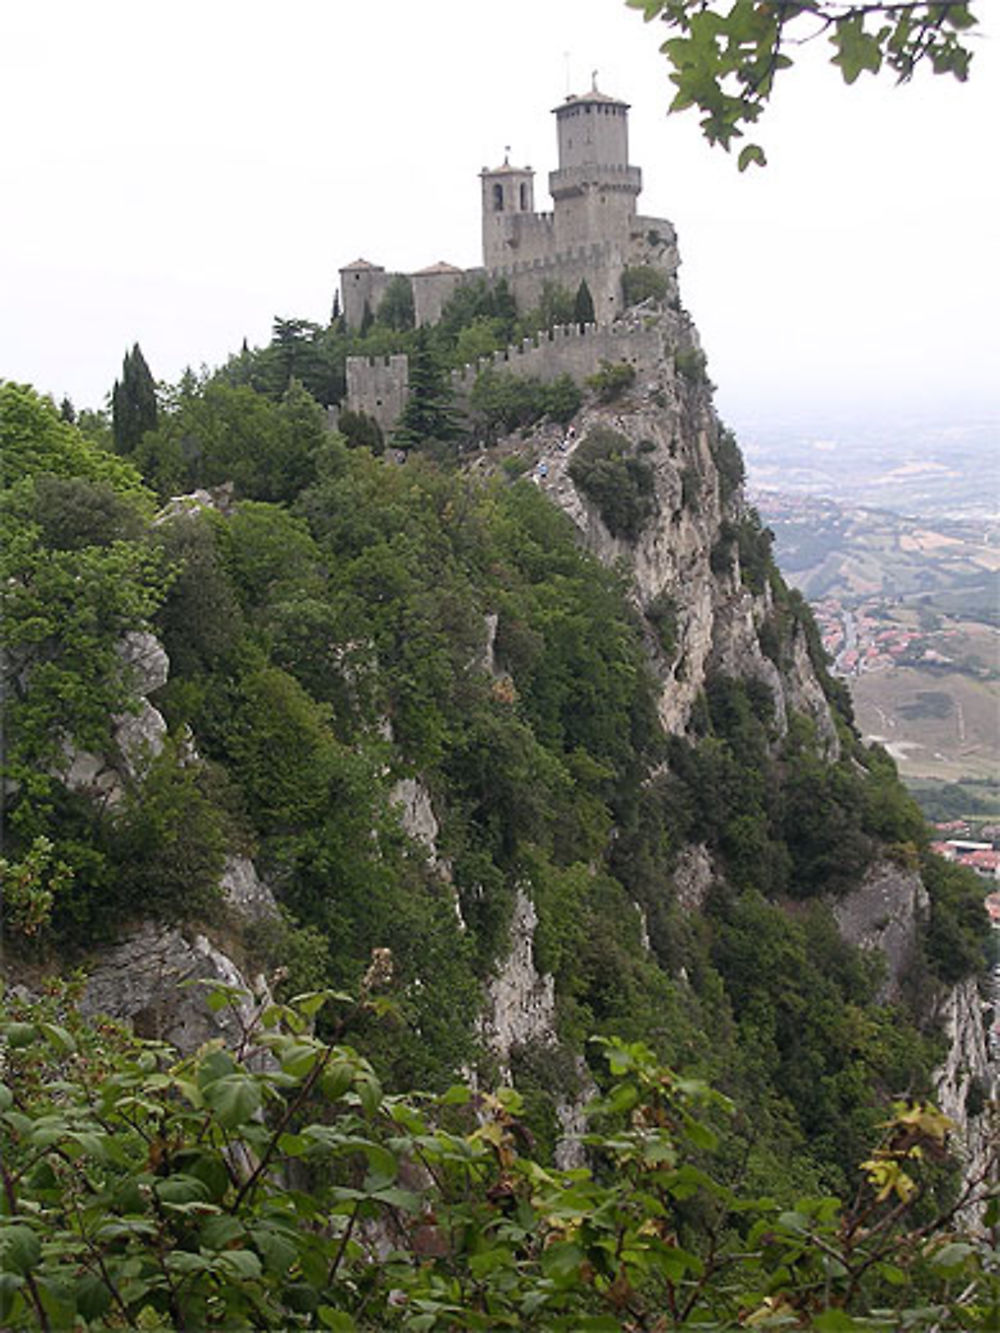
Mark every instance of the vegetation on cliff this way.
pixel 327 634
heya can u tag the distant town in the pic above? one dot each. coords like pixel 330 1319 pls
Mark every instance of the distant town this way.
pixel 858 637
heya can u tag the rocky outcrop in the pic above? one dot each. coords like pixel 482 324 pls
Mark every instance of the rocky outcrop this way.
pixel 520 1001
pixel 413 801
pixel 693 876
pixel 137 735
pixel 966 1082
pixel 884 914
pixel 669 422
pixel 143 980
pixel 245 892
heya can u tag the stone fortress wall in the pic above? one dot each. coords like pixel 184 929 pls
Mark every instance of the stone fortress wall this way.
pixel 378 385
pixel 592 235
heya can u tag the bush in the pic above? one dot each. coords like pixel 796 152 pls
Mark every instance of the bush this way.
pixel 691 365
pixel 361 431
pixel 503 402
pixel 641 282
pixel 729 463
pixel 612 380
pixel 662 615
pixel 621 485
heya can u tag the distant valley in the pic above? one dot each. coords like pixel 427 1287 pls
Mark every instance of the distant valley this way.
pixel 934 470
pixel 909 610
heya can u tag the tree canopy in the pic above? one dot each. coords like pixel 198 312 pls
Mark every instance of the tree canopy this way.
pixel 724 55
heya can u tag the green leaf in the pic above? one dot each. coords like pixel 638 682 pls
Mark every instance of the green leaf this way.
pixel 337 1320
pixel 369 1091
pixel 20 1034
pixel 751 152
pixel 952 1255
pixel 336 1079
pixel 241 1264
pixel 457 1095
pixel 561 1260
pixel 6 1097
pixel 835 1321
pixel 220 1231
pixel 235 1099
pixel 20 1248
pixel 58 1037
pixel 92 1297
pixel 278 1250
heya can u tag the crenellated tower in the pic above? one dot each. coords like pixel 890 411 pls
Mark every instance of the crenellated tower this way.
pixel 594 189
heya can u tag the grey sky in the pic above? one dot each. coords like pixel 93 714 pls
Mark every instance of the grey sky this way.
pixel 180 173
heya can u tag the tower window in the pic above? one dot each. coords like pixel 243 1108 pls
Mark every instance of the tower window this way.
pixel 524 198
pixel 498 199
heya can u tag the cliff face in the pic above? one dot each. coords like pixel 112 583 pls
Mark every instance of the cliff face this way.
pixel 667 420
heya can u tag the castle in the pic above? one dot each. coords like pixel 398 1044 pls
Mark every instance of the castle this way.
pixel 593 234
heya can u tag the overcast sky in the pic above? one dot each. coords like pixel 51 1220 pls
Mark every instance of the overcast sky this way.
pixel 179 173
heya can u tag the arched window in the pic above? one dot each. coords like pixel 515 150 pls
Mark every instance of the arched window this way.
pixel 498 198
pixel 524 197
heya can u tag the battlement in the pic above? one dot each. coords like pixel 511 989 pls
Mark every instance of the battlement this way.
pixel 596 252
pixel 379 385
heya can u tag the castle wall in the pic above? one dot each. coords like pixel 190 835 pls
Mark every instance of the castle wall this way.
pixel 378 386
pixel 599 265
pixel 431 292
pixel 569 350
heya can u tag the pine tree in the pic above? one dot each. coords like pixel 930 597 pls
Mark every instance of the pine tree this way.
pixel 133 402
pixel 428 414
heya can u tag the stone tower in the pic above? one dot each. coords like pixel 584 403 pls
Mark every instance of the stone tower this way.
pixel 593 189
pixel 508 195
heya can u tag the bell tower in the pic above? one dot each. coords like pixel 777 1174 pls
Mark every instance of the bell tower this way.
pixel 508 194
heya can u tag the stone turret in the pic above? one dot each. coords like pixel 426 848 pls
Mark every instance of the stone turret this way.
pixel 361 284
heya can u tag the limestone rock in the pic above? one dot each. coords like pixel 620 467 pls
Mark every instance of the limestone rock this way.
pixel 416 812
pixel 520 1001
pixel 138 735
pixel 140 980
pixel 967 1067
pixel 693 876
pixel 884 913
pixel 144 660
pixel 244 890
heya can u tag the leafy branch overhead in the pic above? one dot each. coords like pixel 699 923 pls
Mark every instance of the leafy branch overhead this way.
pixel 724 55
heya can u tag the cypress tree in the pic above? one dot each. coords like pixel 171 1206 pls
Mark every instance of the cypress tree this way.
pixel 583 304
pixel 133 402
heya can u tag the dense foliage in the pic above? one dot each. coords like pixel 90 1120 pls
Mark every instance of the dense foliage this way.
pixel 608 471
pixel 278 1187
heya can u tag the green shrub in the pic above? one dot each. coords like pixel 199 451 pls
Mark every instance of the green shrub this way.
pixel 611 381
pixel 691 365
pixel 621 485
pixel 643 281
pixel 662 615
pixel 729 462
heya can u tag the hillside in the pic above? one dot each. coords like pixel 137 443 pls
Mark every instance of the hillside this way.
pixel 486 745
